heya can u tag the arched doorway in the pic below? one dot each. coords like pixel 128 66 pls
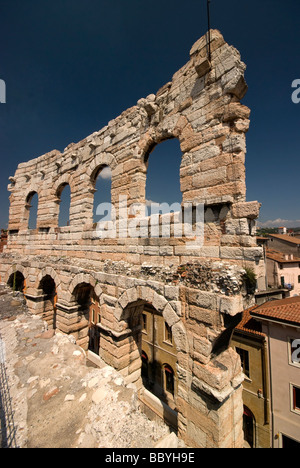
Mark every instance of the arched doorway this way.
pixel 17 282
pixel 48 286
pixel 89 317
pixel 249 427
pixel 169 380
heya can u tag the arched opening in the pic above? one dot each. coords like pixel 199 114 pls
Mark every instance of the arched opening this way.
pixel 249 427
pixel 151 359
pixel 17 282
pixel 169 380
pixel 47 285
pixel 32 202
pixel 64 200
pixel 157 343
pixel 163 177
pixel 101 180
pixel 89 317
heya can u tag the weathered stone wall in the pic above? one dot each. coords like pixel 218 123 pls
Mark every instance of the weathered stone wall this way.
pixel 199 291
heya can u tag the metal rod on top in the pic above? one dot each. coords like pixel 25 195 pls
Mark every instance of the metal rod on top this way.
pixel 208 19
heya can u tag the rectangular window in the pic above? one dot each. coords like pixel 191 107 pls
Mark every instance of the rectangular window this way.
pixel 287 442
pixel 296 398
pixel 244 355
pixel 144 322
pixel 168 333
pixel 93 315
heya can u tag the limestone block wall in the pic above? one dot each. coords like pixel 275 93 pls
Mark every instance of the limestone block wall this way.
pixel 200 290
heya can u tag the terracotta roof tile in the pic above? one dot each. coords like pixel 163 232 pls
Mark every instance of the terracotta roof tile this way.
pixel 249 325
pixel 286 238
pixel 283 310
pixel 281 257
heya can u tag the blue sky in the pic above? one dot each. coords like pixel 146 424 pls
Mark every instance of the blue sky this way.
pixel 71 66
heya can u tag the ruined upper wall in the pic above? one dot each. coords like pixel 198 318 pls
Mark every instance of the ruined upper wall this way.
pixel 200 107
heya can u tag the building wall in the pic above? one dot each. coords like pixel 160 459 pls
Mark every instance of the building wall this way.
pixel 290 272
pixel 285 247
pixel 197 287
pixel 161 351
pixel 255 386
pixel 283 374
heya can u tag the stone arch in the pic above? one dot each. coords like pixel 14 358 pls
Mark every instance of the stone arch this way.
pixel 172 127
pixel 17 276
pixel 101 191
pixel 88 279
pixel 56 192
pixel 85 295
pixel 30 193
pixel 165 155
pixel 160 303
pixel 130 347
pixel 46 306
pixel 49 271
pixel 13 269
pixel 65 179
pixel 17 282
pixel 163 141
pixel 101 160
pixel 33 188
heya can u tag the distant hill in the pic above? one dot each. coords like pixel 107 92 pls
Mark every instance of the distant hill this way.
pixel 265 231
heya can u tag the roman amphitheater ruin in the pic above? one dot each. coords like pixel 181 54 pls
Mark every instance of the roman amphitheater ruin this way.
pixel 158 308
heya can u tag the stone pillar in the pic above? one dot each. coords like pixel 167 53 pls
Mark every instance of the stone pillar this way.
pixel 72 321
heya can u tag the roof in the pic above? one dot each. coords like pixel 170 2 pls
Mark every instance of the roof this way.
pixel 286 311
pixel 286 238
pixel 280 257
pixel 249 325
pixel 262 239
